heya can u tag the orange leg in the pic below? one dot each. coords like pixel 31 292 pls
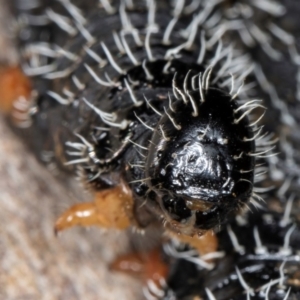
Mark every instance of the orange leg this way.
pixel 15 94
pixel 149 267
pixel 153 270
pixel 204 244
pixel 111 208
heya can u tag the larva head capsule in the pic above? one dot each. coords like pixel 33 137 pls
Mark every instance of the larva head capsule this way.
pixel 200 165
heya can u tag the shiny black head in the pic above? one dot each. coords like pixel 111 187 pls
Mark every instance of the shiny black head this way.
pixel 200 161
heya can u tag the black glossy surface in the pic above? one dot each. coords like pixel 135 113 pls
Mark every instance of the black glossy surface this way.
pixel 203 160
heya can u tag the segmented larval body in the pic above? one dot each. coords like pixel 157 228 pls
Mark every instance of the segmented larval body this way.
pixel 258 258
pixel 146 93
pixel 270 273
pixel 143 104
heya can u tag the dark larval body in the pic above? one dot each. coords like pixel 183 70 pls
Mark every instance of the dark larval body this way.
pixel 160 95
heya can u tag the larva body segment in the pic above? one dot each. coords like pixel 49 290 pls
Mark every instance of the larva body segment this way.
pixel 198 171
pixel 113 94
pixel 257 258
pixel 263 264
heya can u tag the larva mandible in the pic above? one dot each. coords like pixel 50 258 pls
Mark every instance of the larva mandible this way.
pixel 154 106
